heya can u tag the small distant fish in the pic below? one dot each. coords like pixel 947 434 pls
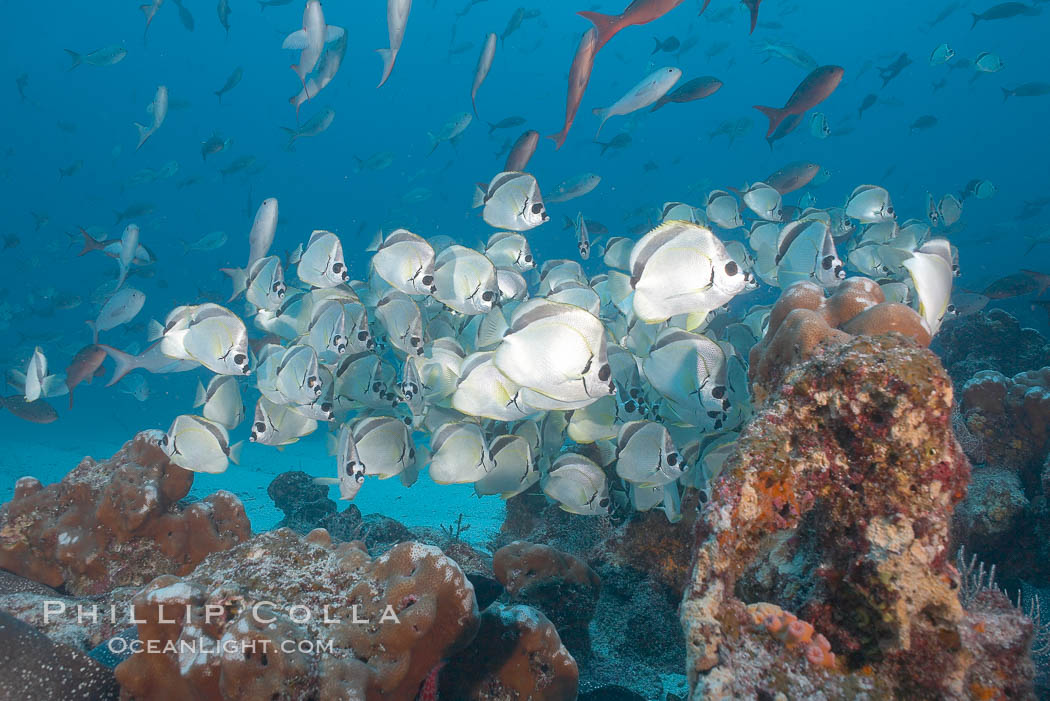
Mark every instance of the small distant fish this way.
pixel 216 143
pixel 263 4
pixel 941 55
pixel 231 82
pixel 38 412
pixel 186 17
pixel 512 201
pixel 1017 284
pixel 981 189
pixel 869 101
pixel 450 131
pixel 521 152
pixel 893 70
pixel 317 124
pixel 106 56
pixel 620 141
pixel 209 242
pixel 1005 10
pixel 987 62
pixel 513 24
pixel 668 45
pixel 21 82
pixel 159 109
pixel 924 122
pixel 150 10
pixel 488 53
pixel 818 125
pixel 695 89
pixel 506 123
pixel 376 162
pixel 223 10
pixel 1035 89
pixel 71 169
pixel 574 187
pixel 579 77
pixel 637 13
pixel 816 88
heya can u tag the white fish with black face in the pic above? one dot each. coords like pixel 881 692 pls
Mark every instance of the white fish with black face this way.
pixel 510 249
pixel 403 321
pixel 559 352
pixel 406 262
pixel 681 268
pixel 322 262
pixel 119 309
pixel 691 372
pixel 465 280
pixel 278 425
pixel 297 377
pixel 512 201
pixel 578 485
pixel 459 454
pixel 199 445
pixel 932 276
pixel 583 237
pixel 806 251
pixel 818 125
pixel 513 471
pixel 941 55
pixel 221 401
pixel 764 201
pixel 265 283
pixel 722 209
pixel 485 392
pixel 646 454
pixel 216 338
pixel 326 330
pixel 384 446
pixel 949 210
pixel 411 389
pixel 870 204
pixel 348 462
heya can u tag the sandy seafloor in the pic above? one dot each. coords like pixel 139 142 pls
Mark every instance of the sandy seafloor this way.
pixel 49 452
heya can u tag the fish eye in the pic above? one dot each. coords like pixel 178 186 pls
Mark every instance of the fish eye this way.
pixel 411 453
pixel 486 296
pixel 672 459
pixel 362 335
pixel 415 340
pixel 428 280
pixel 732 268
pixel 604 372
pixel 164 440
pixel 634 392
pixel 950 309
pixel 718 392
pixel 630 407
pixel 260 426
pixel 827 262
pixel 537 208
pixel 240 359
pixel 604 503
pixel 376 387
pixel 528 257
pixel 337 268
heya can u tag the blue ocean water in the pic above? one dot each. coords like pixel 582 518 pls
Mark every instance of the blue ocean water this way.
pixel 87 114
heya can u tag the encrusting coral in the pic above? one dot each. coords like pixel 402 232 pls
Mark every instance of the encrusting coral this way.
pixel 517 654
pixel 115 523
pixel 836 506
pixel 803 320
pixel 560 585
pixel 291 617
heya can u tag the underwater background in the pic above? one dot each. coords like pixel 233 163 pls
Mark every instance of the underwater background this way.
pixel 373 171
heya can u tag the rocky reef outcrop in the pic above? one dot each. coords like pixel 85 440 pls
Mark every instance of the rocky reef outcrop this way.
pixel 836 508
pixel 119 522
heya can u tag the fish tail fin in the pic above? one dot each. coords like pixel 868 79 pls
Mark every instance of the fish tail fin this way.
pixel 239 278
pixel 492 127
pixel 602 113
pixel 90 244
pixel 775 116
pixel 235 452
pixel 433 143
pixel 1041 278
pixel 388 57
pixel 154 330
pixel 1006 94
pixel 559 138
pixel 202 395
pixel 94 330
pixel 479 196
pixel 658 45
pixel 125 363
pixel 976 19
pixel 218 94
pixel 75 57
pixel 291 138
pixel 143 134
pixel 607 25
pixel 659 103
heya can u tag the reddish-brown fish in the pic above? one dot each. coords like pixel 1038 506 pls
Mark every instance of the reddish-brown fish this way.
pixel 84 367
pixel 638 12
pixel 793 176
pixel 816 88
pixel 752 6
pixel 695 89
pixel 579 76
pixel 38 412
pixel 522 151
